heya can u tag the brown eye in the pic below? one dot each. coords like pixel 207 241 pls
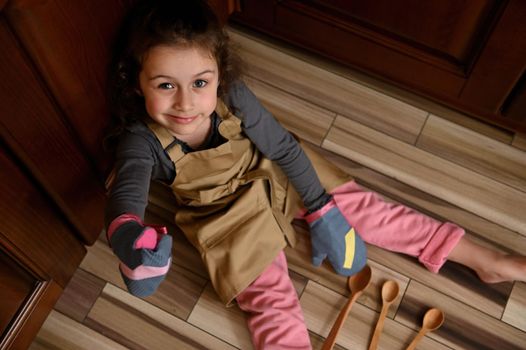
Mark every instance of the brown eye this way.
pixel 200 83
pixel 165 86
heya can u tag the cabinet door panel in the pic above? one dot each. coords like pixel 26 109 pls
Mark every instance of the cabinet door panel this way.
pixel 32 228
pixel 38 253
pixel 70 43
pixel 42 138
pixel 454 39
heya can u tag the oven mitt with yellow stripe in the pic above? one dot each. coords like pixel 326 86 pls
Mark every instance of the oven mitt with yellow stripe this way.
pixel 333 238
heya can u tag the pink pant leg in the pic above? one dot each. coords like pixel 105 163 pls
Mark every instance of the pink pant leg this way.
pixel 396 227
pixel 275 319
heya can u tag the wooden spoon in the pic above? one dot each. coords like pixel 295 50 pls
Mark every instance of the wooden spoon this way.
pixel 357 284
pixel 433 319
pixel 390 291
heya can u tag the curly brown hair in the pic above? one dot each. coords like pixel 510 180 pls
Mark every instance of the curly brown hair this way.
pixel 164 22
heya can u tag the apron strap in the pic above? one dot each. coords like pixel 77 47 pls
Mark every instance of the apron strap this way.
pixel 166 139
pixel 231 125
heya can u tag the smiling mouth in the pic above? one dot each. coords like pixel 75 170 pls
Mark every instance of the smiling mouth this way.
pixel 182 120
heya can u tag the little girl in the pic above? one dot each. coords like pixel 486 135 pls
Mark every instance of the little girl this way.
pixel 185 118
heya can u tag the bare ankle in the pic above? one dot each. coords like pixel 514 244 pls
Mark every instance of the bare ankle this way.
pixel 490 265
pixel 503 268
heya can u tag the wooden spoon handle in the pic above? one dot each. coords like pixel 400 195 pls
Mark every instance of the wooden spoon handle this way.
pixel 331 338
pixel 417 339
pixel 378 328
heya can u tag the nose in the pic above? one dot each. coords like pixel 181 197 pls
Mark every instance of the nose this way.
pixel 182 100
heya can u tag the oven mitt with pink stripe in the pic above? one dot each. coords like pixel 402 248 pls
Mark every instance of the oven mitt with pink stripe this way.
pixel 333 238
pixel 144 253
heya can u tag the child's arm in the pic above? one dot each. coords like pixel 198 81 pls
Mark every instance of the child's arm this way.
pixel 144 250
pixel 278 145
pixel 332 236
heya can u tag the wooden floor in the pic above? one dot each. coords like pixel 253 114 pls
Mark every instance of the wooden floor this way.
pixel 408 149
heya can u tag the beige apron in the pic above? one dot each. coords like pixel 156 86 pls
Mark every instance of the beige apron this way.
pixel 234 205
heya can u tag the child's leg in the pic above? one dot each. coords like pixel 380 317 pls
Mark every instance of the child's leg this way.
pixel 396 227
pixel 490 265
pixel 401 229
pixel 275 319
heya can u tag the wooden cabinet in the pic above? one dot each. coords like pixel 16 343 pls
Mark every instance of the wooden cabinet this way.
pixel 470 55
pixel 53 111
pixel 39 252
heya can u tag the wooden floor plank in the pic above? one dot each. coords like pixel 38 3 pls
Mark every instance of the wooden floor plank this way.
pixel 79 295
pixel 453 279
pixel 177 294
pixel 460 186
pixel 101 262
pixel 464 327
pixel 226 323
pixel 293 112
pixel 379 85
pixel 139 325
pixel 479 153
pixel 321 307
pixel 62 332
pixel 331 91
pixel 515 312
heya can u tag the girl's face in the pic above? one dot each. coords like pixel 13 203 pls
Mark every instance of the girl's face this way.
pixel 179 85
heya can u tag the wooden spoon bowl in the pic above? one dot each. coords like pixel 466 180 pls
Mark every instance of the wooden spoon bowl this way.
pixel 433 319
pixel 390 291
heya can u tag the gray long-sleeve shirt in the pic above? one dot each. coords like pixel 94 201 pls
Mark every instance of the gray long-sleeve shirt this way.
pixel 141 158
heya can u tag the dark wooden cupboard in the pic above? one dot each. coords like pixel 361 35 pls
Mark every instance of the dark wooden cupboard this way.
pixel 39 252
pixel 53 114
pixel 470 55
pixel 53 118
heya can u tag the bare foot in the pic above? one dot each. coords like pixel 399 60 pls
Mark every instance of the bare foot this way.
pixel 490 265
pixel 503 268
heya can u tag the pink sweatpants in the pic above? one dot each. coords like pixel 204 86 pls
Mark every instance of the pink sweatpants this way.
pixel 275 319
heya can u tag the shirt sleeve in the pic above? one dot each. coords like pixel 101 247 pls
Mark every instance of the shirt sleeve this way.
pixel 138 160
pixel 277 144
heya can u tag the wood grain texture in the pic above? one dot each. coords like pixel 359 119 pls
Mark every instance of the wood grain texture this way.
pixel 80 294
pixel 62 332
pixel 432 174
pixel 383 87
pixel 332 92
pixel 176 295
pixel 70 44
pixel 515 311
pixel 52 155
pixel 481 154
pixel 464 327
pixel 139 325
pixel 213 317
pixel 321 307
pixel 294 113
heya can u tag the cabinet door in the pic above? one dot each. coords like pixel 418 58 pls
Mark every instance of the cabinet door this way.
pixel 38 254
pixel 468 54
pixel 42 137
